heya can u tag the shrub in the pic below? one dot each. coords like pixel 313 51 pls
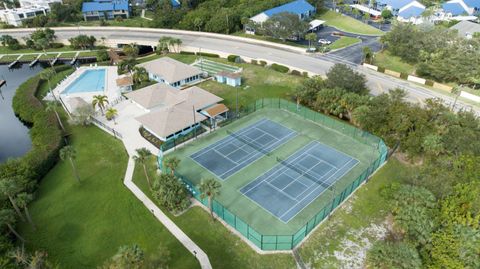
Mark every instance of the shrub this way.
pixel 280 68
pixel 212 55
pixel 263 63
pixel 45 133
pixel 56 45
pixel 296 73
pixel 187 52
pixel 254 62
pixel 305 74
pixel 403 75
pixel 233 58
pixel 381 69
pixel 429 83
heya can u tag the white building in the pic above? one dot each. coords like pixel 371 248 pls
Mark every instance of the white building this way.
pixel 37 3
pixel 171 72
pixel 16 16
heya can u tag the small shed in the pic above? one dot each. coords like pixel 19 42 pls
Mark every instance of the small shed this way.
pixel 232 79
pixel 125 83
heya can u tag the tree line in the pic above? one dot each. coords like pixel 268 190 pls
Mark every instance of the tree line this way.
pixel 436 210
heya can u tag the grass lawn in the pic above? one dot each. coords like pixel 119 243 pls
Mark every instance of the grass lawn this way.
pixel 82 225
pixel 44 88
pixel 388 61
pixel 343 42
pixel 224 249
pixel 348 24
pixel 342 241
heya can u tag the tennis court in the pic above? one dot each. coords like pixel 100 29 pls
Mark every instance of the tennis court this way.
pixel 236 151
pixel 213 68
pixel 294 183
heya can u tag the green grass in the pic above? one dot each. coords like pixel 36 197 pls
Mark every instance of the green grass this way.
pixel 44 87
pixel 224 249
pixel 394 63
pixel 355 222
pixel 343 42
pixel 348 24
pixel 82 225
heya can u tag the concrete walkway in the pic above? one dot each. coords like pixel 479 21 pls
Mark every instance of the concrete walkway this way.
pixel 168 223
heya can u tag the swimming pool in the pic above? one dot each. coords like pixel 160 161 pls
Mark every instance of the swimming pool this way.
pixel 88 81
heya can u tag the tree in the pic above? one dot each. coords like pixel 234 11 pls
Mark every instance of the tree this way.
pixel 126 65
pixel 172 163
pixel 100 101
pixel 7 219
pixel 387 14
pixel 9 188
pixel 284 26
pixel 306 92
pixel 198 23
pixel 140 75
pixel 111 114
pixel 210 188
pixel 127 257
pixel 47 75
pixel 456 91
pixel 130 51
pixel 367 54
pixel 83 115
pixel 366 17
pixel 69 152
pixel 143 154
pixel 343 77
pixel 52 106
pixel 311 37
pixel 170 193
pixel 23 199
pixel 164 43
pixel 82 42
pixel 102 55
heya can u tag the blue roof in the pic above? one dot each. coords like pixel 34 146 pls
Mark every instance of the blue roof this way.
pixel 395 4
pixel 297 7
pixel 175 3
pixel 472 3
pixel 454 8
pixel 102 5
pixel 410 12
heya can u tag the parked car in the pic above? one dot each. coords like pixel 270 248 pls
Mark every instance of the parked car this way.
pixel 338 34
pixel 324 42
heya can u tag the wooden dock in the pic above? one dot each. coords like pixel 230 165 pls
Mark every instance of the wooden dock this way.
pixel 72 62
pixel 2 82
pixel 36 60
pixel 15 62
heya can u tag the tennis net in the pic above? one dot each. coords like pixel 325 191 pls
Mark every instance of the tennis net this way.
pixel 249 143
pixel 303 173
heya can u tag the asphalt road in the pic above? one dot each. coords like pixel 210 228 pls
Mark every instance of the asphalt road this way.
pixel 377 82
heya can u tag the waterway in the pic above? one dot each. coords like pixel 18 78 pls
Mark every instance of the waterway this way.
pixel 14 134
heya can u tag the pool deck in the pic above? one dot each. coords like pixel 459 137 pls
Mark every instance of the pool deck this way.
pixel 111 90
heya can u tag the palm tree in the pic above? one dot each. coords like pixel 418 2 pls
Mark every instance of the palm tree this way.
pixel 7 218
pixel 22 200
pixel 311 37
pixel 9 188
pixel 111 113
pixel 142 158
pixel 176 43
pixel 457 91
pixel 47 75
pixel 140 74
pixel 69 152
pixel 100 101
pixel 172 164
pixel 197 23
pixel 210 189
pixel 52 106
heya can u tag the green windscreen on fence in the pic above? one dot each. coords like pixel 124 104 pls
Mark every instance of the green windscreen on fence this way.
pixel 289 241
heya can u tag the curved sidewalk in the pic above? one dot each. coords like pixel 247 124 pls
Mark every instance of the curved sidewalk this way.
pixel 168 223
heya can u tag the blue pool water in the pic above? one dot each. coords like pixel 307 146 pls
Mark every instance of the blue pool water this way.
pixel 88 81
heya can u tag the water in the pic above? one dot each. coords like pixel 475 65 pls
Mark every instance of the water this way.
pixel 14 137
pixel 88 81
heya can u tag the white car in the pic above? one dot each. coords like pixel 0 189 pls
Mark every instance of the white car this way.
pixel 324 42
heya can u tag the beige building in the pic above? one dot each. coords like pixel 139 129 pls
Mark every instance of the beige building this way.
pixel 171 72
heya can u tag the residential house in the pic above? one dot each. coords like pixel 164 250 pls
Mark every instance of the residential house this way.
pixel 466 29
pixel 105 9
pixel 37 3
pixel 171 72
pixel 17 16
pixel 172 113
pixel 457 8
pixel 302 8
pixel 404 10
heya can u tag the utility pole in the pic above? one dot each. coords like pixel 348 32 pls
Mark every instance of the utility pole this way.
pixel 236 102
pixel 194 123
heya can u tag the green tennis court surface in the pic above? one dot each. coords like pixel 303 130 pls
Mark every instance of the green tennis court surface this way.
pixel 213 68
pixel 315 167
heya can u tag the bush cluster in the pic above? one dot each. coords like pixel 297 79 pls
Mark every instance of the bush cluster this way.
pixel 280 68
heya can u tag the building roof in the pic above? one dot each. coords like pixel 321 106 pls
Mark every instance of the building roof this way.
pixel 105 5
pixel 368 10
pixel 229 75
pixel 198 97
pixel 315 23
pixel 216 110
pixel 296 7
pixel 456 7
pixel 175 3
pixel 411 11
pixel 169 120
pixel 466 28
pixel 472 3
pixel 395 4
pixel 155 95
pixel 170 70
pixel 124 81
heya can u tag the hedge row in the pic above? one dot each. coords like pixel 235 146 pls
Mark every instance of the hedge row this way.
pixel 233 58
pixel 212 55
pixel 280 68
pixel 45 133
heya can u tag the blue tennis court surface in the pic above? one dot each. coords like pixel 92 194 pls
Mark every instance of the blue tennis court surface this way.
pixel 236 151
pixel 294 183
